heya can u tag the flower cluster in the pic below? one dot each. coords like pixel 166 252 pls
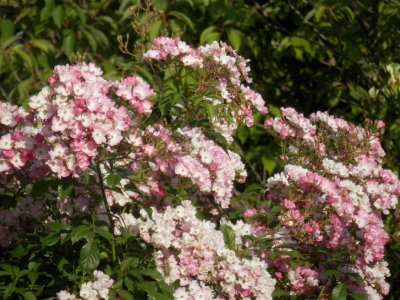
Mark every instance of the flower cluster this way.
pixel 332 192
pixel 211 169
pixel 79 115
pixel 16 146
pixel 222 65
pixel 193 252
pixel 91 290
pixel 209 166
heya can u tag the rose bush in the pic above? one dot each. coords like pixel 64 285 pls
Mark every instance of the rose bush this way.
pixel 123 189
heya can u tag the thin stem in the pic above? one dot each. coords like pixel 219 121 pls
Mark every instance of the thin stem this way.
pixel 104 196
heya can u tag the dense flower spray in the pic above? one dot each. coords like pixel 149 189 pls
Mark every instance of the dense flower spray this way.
pixel 332 191
pixel 221 69
pixel 193 252
pixel 115 152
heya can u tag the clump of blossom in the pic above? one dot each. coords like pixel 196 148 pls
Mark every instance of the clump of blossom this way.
pixel 210 169
pixel 220 64
pixel 192 251
pixel 194 291
pixel 209 166
pixel 164 47
pixel 16 145
pixel 78 115
pixel 332 192
pixel 91 290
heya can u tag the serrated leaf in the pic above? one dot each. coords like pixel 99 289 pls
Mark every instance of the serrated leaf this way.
pixel 89 257
pixel 339 292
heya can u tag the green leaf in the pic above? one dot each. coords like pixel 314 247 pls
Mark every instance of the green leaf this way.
pixel 39 188
pixel 183 18
pixel 130 284
pixel 43 45
pixel 155 29
pixel 89 257
pixel 113 180
pixel 23 87
pixel 80 12
pixel 20 51
pixel 275 111
pixel 29 296
pixel 152 273
pixel 69 41
pixel 339 292
pixel 279 293
pixel 161 4
pixel 269 164
pixel 47 10
pixel 243 133
pixel 331 273
pixel 51 239
pixel 6 29
pixel 209 35
pixel 58 15
pixel 294 254
pixel 235 38
pixel 65 188
pixel 9 290
pixel 229 237
pixel 80 232
pixel 149 287
pixel 128 263
pixel 357 296
pixel 301 45
pixel 105 234
pixel 91 40
pixel 125 295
